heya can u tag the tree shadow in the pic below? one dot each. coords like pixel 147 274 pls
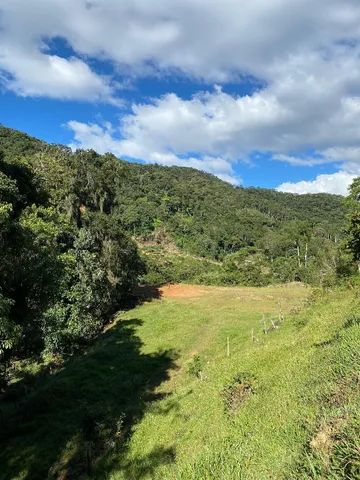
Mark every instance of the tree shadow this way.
pixel 328 343
pixel 145 466
pixel 79 415
pixel 146 293
pixel 139 295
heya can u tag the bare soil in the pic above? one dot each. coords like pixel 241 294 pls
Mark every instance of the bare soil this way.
pixel 182 291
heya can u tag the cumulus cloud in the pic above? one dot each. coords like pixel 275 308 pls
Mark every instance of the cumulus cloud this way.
pixel 303 56
pixel 209 39
pixel 34 74
pixel 101 139
pixel 29 69
pixel 336 183
pixel 169 130
pixel 212 40
pixel 218 128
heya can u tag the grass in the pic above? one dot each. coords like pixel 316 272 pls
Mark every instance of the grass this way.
pixel 150 400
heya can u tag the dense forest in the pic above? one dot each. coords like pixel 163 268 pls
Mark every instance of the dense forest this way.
pixel 79 230
pixel 259 236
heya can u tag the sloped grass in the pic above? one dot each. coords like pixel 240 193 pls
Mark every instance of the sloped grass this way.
pixel 64 426
pixel 297 366
pixel 334 449
pixel 138 406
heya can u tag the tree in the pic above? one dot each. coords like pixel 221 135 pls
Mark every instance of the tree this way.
pixel 353 229
pixel 64 264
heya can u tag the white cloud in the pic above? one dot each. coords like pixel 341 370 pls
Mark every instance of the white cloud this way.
pixel 303 55
pixel 210 124
pixel 29 69
pixel 206 38
pixel 337 183
pixel 99 138
pixel 34 74
pixel 213 123
pixel 209 132
pixel 213 40
pixel 304 160
pixel 96 137
pixel 351 155
pixel 216 125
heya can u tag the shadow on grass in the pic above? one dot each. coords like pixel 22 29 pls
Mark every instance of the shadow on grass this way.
pixel 76 418
pixel 328 343
pixel 139 295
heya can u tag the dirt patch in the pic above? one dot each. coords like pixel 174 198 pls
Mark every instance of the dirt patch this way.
pixel 324 440
pixel 146 292
pixel 182 291
pixel 238 391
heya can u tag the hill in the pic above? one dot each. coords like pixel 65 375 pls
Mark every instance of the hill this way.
pixel 80 230
pixel 201 381
pixel 260 236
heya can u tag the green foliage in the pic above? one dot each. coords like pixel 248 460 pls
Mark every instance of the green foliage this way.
pixel 195 367
pixel 248 266
pixel 164 266
pixel 207 217
pixel 353 229
pixel 200 214
pixel 101 268
pixel 9 336
pixel 65 261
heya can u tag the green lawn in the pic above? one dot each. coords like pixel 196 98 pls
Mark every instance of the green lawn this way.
pixel 130 408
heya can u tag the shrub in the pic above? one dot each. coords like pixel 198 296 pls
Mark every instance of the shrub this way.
pixel 195 367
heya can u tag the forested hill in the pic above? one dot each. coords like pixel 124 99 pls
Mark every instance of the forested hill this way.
pixel 78 231
pixel 196 212
pixel 203 209
pixel 153 193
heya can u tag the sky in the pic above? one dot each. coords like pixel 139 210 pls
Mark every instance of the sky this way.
pixel 257 92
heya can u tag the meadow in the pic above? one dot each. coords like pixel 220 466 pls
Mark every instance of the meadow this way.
pixel 198 383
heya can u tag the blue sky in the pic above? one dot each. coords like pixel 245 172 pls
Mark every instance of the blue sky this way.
pixel 258 93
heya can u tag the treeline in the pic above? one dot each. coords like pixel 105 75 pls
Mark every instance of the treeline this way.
pixel 65 262
pixel 71 222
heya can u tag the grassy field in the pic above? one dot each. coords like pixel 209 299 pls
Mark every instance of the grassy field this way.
pixel 201 383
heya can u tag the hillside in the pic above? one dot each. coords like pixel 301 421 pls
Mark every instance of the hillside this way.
pixel 278 236
pixel 193 191
pixel 168 309
pixel 161 396
pixel 102 376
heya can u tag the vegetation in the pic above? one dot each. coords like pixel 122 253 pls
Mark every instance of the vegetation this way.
pixel 65 264
pixel 213 382
pixel 259 236
pixel 353 229
pixel 159 397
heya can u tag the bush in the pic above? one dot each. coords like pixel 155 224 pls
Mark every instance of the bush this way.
pixel 195 367
pixel 248 266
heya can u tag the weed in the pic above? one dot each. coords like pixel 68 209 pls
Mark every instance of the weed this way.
pixel 195 367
